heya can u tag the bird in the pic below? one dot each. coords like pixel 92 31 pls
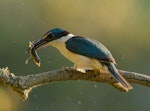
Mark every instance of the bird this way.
pixel 84 52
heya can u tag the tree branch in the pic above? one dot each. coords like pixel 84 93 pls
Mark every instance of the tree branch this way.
pixel 24 84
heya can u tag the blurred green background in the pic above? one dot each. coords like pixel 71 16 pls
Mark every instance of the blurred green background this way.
pixel 123 26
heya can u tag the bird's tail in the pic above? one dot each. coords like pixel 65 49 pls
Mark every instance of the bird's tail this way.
pixel 112 69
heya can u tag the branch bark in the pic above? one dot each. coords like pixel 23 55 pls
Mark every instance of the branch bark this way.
pixel 22 85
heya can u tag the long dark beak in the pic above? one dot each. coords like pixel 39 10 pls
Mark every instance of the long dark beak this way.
pixel 40 43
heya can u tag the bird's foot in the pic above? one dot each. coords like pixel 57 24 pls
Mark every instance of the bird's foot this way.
pixel 81 70
pixel 84 70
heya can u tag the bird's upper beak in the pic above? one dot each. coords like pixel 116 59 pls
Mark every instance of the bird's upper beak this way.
pixel 43 42
pixel 40 43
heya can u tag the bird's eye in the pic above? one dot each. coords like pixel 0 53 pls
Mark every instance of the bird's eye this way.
pixel 52 35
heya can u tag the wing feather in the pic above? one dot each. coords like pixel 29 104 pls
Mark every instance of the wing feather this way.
pixel 89 48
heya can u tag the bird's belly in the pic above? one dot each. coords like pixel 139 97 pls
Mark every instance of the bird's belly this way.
pixel 81 62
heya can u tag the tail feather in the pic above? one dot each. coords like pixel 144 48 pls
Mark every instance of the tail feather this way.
pixel 112 69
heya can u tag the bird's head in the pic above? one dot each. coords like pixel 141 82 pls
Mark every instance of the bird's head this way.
pixel 50 37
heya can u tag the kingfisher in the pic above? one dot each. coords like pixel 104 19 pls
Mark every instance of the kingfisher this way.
pixel 85 53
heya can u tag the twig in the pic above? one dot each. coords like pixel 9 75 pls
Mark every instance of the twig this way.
pixel 24 84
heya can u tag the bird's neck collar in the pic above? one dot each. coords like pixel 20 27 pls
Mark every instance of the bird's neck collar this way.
pixel 69 36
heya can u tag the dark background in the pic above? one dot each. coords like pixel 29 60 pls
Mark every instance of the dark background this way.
pixel 122 26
